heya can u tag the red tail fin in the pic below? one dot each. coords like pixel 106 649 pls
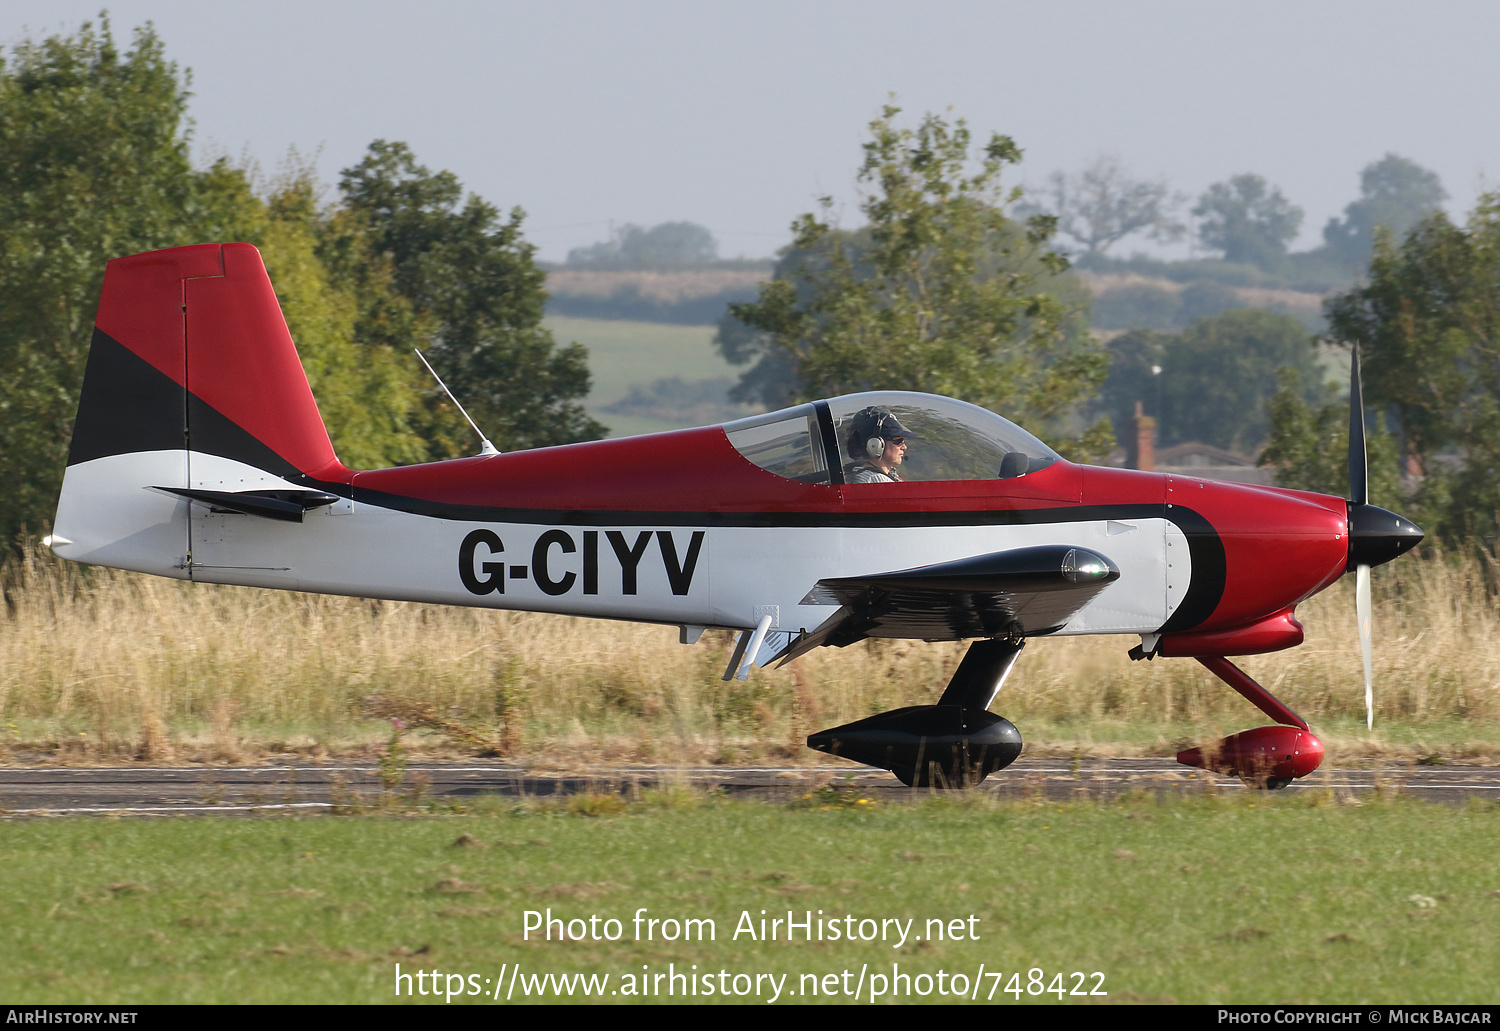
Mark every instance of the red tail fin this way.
pixel 193 338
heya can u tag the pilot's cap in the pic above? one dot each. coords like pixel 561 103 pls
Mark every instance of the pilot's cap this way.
pixel 879 422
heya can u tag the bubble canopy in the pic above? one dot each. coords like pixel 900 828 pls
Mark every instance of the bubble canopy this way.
pixel 945 439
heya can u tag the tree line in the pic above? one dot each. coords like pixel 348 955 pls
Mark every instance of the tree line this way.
pixel 958 286
pixel 1245 222
pixel 1426 322
pixel 950 284
pixel 94 164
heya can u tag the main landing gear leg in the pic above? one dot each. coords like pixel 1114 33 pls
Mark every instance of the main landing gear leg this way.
pixel 980 676
pixel 1266 757
pixel 955 743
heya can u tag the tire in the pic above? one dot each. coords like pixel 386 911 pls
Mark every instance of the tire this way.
pixel 1265 783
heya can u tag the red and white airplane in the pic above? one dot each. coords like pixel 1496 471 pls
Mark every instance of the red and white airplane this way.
pixel 198 453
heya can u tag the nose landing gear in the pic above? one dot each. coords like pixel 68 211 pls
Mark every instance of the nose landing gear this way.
pixel 1267 758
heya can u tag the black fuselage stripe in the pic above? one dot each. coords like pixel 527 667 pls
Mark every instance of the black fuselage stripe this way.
pixel 642 517
pixel 1210 570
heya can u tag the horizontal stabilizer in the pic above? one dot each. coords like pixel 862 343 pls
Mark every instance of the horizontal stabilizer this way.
pixel 287 505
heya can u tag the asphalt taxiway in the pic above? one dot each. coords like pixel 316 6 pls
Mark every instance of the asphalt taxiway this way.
pixel 285 788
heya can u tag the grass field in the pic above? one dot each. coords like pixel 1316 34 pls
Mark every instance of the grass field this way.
pixel 1233 898
pixel 628 354
pixel 107 666
pixel 1216 899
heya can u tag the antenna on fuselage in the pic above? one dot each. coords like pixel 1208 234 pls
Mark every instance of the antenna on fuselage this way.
pixel 485 447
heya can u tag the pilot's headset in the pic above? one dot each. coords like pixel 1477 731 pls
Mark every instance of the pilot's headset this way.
pixel 873 427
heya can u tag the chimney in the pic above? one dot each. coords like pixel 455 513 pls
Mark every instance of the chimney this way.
pixel 1145 440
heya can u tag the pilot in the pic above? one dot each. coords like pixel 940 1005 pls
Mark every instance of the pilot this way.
pixel 877 443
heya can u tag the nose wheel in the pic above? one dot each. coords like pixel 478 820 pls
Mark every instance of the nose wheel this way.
pixel 1265 783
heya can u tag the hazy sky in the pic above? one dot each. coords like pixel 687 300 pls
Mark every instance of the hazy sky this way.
pixel 738 115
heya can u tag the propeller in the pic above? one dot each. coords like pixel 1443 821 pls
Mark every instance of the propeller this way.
pixel 1359 496
pixel 1375 535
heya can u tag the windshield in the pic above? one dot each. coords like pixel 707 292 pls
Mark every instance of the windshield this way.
pixel 934 438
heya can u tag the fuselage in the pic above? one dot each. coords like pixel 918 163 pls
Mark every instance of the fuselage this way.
pixel 681 528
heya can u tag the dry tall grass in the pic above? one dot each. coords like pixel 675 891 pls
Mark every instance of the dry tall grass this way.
pixel 99 663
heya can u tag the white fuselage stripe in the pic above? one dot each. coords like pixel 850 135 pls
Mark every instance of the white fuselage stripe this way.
pixel 728 576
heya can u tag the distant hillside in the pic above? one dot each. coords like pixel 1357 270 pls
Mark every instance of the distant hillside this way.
pixel 1129 301
pixel 649 377
pixel 691 297
pixel 700 296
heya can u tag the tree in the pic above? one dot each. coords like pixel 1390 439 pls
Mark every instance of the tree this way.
pixel 1394 192
pixel 1248 220
pixel 669 245
pixel 1102 205
pixel 1309 445
pixel 1214 377
pixel 771 379
pixel 93 165
pixel 1206 298
pixel 369 388
pixel 1136 306
pixel 940 292
pixel 1134 378
pixel 472 282
pixel 1427 326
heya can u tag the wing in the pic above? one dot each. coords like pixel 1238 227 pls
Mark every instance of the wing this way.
pixel 1020 593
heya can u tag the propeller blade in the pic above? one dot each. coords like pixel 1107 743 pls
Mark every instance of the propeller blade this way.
pixel 1362 612
pixel 1359 474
